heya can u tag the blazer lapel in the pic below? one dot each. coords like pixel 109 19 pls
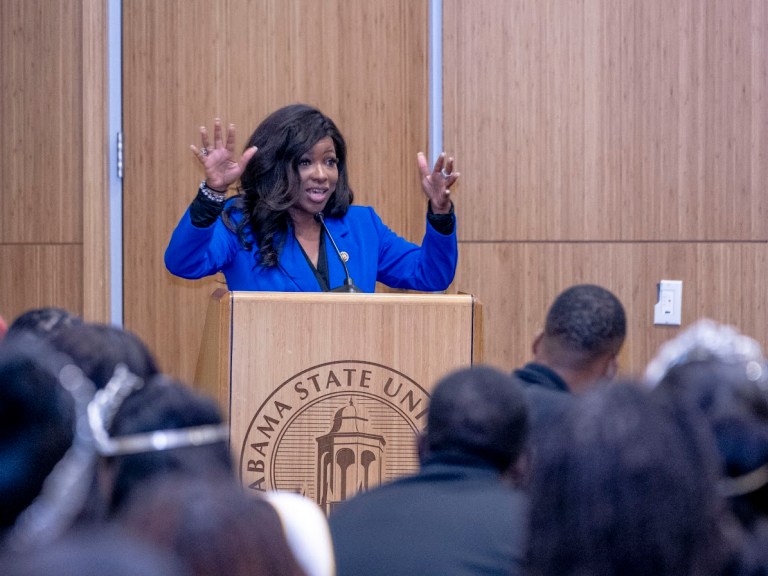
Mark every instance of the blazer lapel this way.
pixel 295 267
pixel 340 232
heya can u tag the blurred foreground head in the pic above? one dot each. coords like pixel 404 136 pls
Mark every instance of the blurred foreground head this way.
pixel 96 552
pixel 722 374
pixel 43 322
pixel 149 429
pixel 624 485
pixel 99 348
pixel 216 528
pixel 46 451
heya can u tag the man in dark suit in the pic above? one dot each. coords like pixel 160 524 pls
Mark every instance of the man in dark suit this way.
pixel 457 516
pixel 583 334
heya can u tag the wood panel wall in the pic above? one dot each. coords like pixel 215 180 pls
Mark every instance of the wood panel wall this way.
pixel 187 61
pixel 53 225
pixel 618 142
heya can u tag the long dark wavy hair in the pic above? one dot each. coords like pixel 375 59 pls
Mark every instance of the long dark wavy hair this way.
pixel 624 483
pixel 270 181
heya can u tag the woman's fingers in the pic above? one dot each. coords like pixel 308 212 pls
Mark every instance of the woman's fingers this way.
pixel 204 137
pixel 207 148
pixel 231 138
pixel 439 163
pixel 246 157
pixel 217 142
pixel 448 168
pixel 423 166
pixel 200 153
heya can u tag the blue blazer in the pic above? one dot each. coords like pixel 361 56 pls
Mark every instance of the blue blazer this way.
pixel 375 252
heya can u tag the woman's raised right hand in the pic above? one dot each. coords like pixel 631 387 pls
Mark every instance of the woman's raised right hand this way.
pixel 221 170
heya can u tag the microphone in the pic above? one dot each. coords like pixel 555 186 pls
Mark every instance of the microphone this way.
pixel 348 285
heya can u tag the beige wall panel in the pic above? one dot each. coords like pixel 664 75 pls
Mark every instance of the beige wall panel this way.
pixel 608 120
pixel 94 158
pixel 53 225
pixel 516 282
pixel 38 275
pixel 41 113
pixel 363 63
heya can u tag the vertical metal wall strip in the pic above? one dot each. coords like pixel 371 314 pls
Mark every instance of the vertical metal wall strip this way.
pixel 115 127
pixel 435 79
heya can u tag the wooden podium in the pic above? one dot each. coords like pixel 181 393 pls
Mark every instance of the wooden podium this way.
pixel 325 393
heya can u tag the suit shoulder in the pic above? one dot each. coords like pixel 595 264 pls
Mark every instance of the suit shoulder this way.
pixel 356 211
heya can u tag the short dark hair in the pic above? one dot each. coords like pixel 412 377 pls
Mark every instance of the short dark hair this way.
pixel 43 322
pixel 587 318
pixel 478 411
pixel 97 349
pixel 269 181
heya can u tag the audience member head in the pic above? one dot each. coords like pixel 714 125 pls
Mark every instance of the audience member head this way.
pixel 216 528
pixel 705 340
pixel 46 452
pixel 98 348
pixel 583 334
pixel 146 430
pixel 97 552
pixel 624 485
pixel 43 322
pixel 477 412
pixel 721 373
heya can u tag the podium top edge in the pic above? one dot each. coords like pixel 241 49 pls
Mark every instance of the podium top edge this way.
pixel 358 298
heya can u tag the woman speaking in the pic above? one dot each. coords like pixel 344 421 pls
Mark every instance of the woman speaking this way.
pixel 292 226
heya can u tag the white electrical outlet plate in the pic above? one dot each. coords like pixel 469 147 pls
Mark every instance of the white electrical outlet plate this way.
pixel 668 310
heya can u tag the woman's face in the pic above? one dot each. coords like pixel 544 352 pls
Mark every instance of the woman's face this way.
pixel 318 175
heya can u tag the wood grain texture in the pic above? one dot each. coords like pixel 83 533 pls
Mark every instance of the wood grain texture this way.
pixel 53 225
pixel 363 63
pixel 213 363
pixel 34 276
pixel 608 120
pixel 94 157
pixel 298 360
pixel 609 124
pixel 517 282
pixel 41 152
pixel 614 142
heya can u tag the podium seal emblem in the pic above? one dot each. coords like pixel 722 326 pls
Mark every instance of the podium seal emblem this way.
pixel 333 430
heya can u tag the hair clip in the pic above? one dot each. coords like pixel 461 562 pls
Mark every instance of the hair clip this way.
pixel 66 488
pixel 107 402
pixel 164 440
pixel 744 484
